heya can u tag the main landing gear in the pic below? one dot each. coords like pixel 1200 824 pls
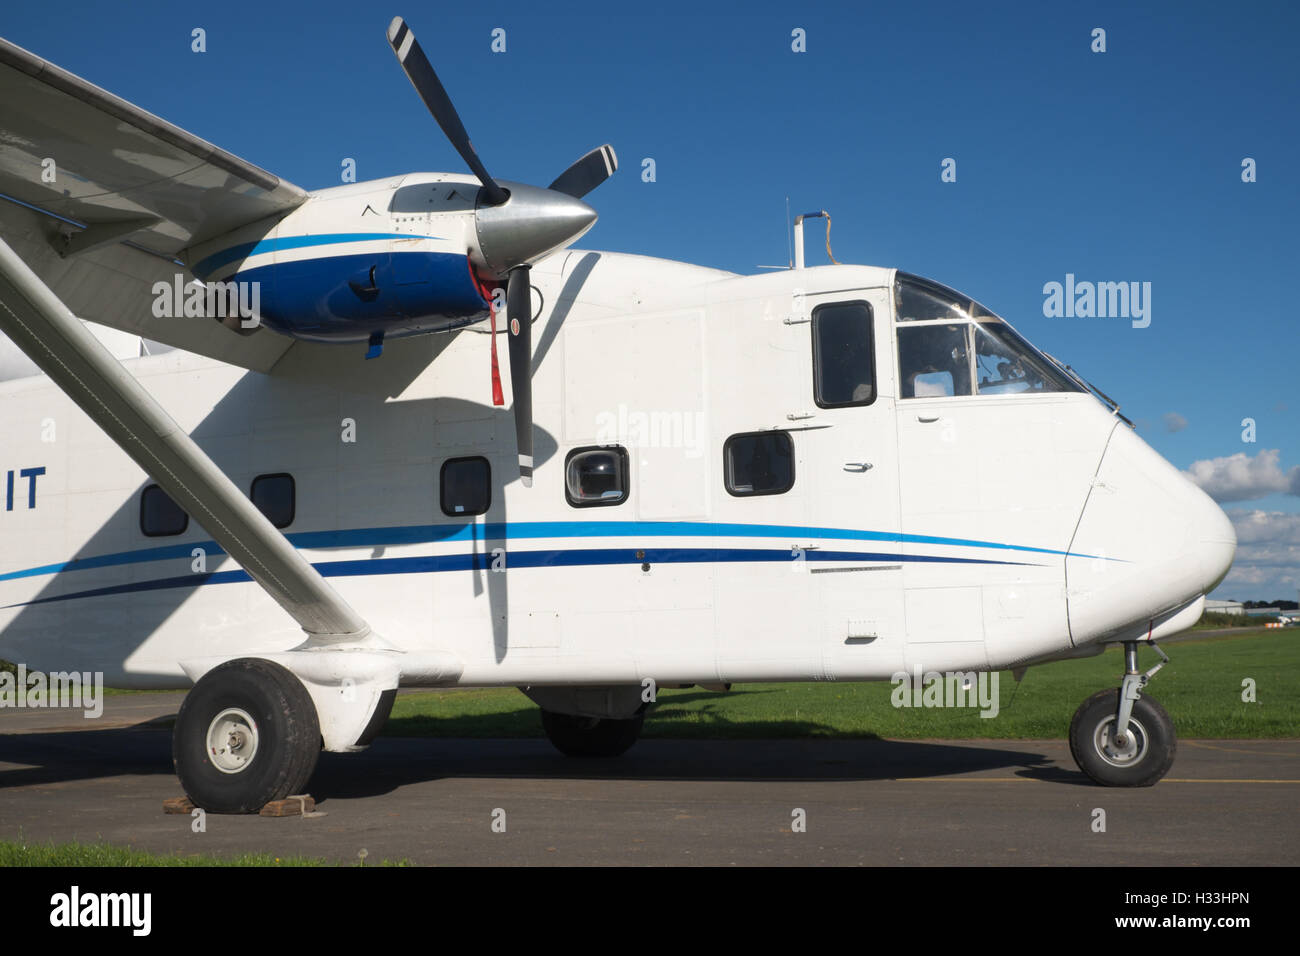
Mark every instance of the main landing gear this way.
pixel 591 736
pixel 1120 738
pixel 246 734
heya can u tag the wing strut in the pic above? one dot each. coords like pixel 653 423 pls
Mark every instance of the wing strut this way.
pixel 43 327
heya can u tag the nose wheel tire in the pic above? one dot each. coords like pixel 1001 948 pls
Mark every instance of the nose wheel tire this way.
pixel 591 736
pixel 1139 759
pixel 246 734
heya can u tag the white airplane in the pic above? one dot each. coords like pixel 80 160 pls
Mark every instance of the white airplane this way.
pixel 833 473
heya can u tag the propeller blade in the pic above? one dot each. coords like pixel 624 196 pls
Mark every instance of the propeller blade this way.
pixel 587 173
pixel 519 316
pixel 420 72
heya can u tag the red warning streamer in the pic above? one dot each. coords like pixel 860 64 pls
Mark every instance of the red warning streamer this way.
pixel 498 397
pixel 489 294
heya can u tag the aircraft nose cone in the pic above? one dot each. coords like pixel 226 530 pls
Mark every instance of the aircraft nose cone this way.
pixel 1148 542
pixel 1216 545
pixel 532 223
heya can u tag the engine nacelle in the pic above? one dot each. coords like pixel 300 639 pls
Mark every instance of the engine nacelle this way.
pixel 389 258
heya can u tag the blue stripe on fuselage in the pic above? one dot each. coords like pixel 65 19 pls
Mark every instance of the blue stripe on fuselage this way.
pixel 502 531
pixel 215 261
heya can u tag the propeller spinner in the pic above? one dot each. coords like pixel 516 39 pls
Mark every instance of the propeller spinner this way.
pixel 516 225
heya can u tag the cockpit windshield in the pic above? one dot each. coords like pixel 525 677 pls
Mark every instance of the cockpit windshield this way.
pixel 949 344
pixel 920 300
pixel 1004 363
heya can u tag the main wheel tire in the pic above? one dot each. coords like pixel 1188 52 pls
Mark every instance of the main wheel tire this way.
pixel 591 736
pixel 246 734
pixel 1147 754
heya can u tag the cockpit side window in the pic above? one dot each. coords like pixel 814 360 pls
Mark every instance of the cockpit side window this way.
pixel 933 360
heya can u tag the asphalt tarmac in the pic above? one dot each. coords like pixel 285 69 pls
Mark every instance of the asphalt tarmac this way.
pixel 666 802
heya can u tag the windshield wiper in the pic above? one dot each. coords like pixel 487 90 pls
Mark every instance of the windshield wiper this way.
pixel 1084 383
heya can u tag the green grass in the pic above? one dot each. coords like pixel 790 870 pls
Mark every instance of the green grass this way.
pixel 1212 620
pixel 123 691
pixel 101 854
pixel 12 668
pixel 1201 688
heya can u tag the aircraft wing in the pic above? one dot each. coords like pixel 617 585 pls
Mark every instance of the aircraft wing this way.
pixel 102 196
pixel 42 326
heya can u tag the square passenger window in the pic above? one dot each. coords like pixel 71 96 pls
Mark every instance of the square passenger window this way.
pixel 159 515
pixel 466 486
pixel 759 463
pixel 276 497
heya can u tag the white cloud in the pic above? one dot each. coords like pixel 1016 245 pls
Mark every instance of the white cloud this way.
pixel 1266 527
pixel 1240 477
pixel 1267 566
pixel 1174 422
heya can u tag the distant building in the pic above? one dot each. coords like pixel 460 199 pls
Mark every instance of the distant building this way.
pixel 1224 607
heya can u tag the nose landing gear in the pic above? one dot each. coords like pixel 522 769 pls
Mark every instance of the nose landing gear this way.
pixel 1120 738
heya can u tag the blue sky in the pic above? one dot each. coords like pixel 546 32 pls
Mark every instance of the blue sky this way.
pixel 1115 166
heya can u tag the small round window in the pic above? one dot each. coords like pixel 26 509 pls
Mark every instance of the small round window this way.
pixel 596 476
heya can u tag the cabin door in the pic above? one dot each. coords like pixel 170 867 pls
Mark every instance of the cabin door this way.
pixel 849 455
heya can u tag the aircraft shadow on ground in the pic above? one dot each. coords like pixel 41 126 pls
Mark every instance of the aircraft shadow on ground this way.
pixel 793 751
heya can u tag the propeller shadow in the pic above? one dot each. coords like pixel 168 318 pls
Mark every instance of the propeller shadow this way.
pixel 292 421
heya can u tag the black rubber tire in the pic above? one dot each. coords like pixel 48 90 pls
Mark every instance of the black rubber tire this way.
pixel 591 736
pixel 289 740
pixel 1157 742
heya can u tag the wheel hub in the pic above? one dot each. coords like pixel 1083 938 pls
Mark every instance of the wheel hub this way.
pixel 232 740
pixel 1120 751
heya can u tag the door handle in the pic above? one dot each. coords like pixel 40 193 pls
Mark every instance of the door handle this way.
pixel 927 418
pixel 857 466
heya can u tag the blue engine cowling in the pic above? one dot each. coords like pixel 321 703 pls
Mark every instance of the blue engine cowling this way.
pixel 349 298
